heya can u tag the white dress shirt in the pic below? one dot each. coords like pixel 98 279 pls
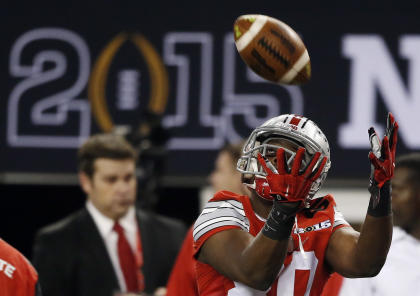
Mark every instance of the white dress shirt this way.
pixel 399 276
pixel 105 226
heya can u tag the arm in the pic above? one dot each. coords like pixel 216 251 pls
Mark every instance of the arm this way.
pixel 254 261
pixel 362 255
pixel 354 254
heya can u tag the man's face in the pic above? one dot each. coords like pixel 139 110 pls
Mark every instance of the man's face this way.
pixel 225 176
pixel 112 188
pixel 405 199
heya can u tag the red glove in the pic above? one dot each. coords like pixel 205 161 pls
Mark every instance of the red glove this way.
pixel 382 158
pixel 382 155
pixel 293 186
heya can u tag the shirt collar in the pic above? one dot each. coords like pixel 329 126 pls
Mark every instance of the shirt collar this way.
pixel 106 224
pixel 128 222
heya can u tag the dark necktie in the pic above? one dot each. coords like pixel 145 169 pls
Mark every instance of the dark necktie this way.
pixel 127 260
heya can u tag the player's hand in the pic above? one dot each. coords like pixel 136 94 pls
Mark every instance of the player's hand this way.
pixel 295 185
pixel 382 154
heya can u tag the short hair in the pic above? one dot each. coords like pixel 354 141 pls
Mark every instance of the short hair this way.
pixel 109 146
pixel 234 150
pixel 412 162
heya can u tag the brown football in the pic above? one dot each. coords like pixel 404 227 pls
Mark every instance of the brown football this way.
pixel 272 49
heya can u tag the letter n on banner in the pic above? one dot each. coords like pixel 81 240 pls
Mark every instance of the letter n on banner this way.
pixel 373 70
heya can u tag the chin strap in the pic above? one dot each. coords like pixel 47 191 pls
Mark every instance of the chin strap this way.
pixel 302 251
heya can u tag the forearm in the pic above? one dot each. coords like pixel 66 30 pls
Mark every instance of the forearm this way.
pixel 354 254
pixel 373 244
pixel 253 261
pixel 376 234
pixel 266 253
pixel 261 261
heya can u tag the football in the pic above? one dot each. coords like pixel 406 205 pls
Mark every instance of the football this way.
pixel 272 49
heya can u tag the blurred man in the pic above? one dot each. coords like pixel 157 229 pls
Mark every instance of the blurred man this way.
pixel 401 272
pixel 108 246
pixel 17 276
pixel 225 176
pixel 281 240
pixel 182 280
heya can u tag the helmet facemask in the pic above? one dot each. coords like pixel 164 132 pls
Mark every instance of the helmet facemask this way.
pixel 268 138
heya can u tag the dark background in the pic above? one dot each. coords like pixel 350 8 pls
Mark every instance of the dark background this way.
pixel 28 203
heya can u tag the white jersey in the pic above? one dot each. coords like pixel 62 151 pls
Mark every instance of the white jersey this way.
pixel 400 274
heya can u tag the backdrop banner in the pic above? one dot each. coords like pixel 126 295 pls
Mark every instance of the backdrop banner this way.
pixel 74 69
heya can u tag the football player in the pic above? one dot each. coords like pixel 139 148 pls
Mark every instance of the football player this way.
pixel 17 275
pixel 281 239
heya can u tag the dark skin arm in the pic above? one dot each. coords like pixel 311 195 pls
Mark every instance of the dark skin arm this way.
pixel 354 254
pixel 362 255
pixel 256 261
pixel 253 261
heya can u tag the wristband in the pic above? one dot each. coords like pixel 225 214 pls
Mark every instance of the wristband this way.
pixel 380 201
pixel 280 221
